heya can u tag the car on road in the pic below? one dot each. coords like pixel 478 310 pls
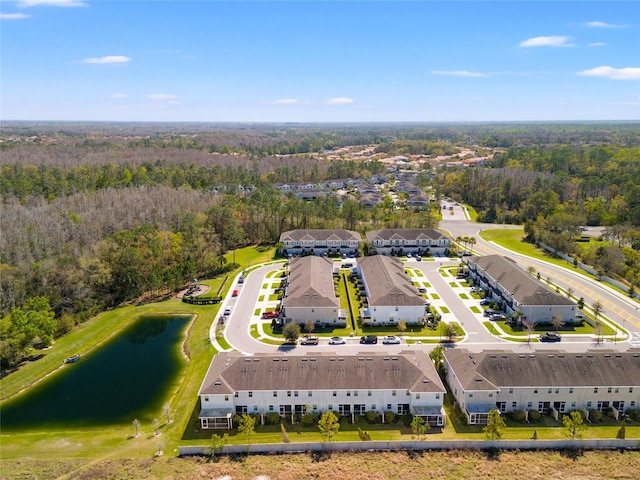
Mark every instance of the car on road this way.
pixel 418 258
pixel 227 311
pixel 337 341
pixel 309 340
pixel 391 340
pixel 271 314
pixel 550 337
pixel 235 293
pixel 369 339
pixel 409 255
pixel 422 289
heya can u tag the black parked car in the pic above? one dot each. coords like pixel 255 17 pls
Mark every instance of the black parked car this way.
pixel 550 337
pixel 369 339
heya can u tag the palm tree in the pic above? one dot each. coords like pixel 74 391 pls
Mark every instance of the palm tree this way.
pixel 472 242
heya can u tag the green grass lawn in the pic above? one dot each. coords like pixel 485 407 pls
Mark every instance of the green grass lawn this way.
pixel 491 328
pixel 223 343
pixel 475 309
pixel 435 296
pixel 445 310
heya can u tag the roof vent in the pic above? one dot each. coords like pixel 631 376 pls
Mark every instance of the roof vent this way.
pixel 217 382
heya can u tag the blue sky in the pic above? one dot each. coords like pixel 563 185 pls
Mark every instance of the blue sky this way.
pixel 330 61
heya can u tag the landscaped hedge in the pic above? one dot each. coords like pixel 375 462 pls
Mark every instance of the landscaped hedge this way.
pixel 202 300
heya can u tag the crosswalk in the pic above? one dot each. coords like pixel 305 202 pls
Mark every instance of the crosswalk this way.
pixel 635 339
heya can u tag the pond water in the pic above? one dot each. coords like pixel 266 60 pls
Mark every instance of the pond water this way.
pixel 130 376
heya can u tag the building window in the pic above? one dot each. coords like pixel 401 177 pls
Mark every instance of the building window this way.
pixel 369 393
pixel 573 404
pixel 417 396
pixel 588 404
pixel 571 390
pixel 595 390
pixel 388 406
pixel 330 406
pixel 255 408
pixel 355 393
pixel 557 391
pixel 335 394
pixel 226 398
pixel 271 408
pixel 491 395
pixel 511 390
pixel 617 389
pixel 310 394
pixel 295 394
pixel 236 394
pixel 529 405
pixel 470 395
pixel 549 391
pixel 393 393
pixel 609 390
pixel 348 393
pixel 288 393
pixel 514 404
pixel 630 389
pixel 437 396
pixel 535 391
pixel 632 404
pixel 250 394
pixel 315 407
pixel 206 399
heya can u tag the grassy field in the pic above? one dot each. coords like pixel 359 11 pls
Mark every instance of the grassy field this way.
pixel 441 465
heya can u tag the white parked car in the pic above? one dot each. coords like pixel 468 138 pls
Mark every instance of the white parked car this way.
pixel 391 340
pixel 337 341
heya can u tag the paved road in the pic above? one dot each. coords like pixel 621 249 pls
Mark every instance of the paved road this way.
pixel 617 307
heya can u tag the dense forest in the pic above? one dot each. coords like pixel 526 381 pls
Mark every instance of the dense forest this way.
pixel 97 214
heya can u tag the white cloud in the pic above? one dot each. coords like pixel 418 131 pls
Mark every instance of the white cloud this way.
pixel 13 16
pixel 550 41
pixel 459 73
pixel 602 25
pixel 52 3
pixel 108 59
pixel 286 101
pixel 629 73
pixel 597 44
pixel 340 101
pixel 118 95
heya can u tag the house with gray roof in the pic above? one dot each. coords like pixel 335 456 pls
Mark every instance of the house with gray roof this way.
pixel 390 295
pixel 349 385
pixel 408 240
pixel 517 291
pixel 551 382
pixel 310 293
pixel 320 241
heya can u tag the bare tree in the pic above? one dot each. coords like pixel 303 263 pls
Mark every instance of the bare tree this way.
pixel 530 327
pixel 136 427
pixel 557 320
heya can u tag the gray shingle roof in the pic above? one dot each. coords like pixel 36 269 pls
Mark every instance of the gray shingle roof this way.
pixel 320 234
pixel 387 283
pixel 231 371
pixel 492 370
pixel 311 283
pixel 526 289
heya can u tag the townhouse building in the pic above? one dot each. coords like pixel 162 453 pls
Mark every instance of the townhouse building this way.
pixel 552 382
pixel 320 241
pixel 348 385
pixel 517 291
pixel 310 293
pixel 390 295
pixel 408 240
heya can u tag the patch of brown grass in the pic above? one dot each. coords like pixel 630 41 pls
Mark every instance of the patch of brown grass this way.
pixel 441 465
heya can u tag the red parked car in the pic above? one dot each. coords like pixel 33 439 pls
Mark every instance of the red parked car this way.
pixel 272 314
pixel 235 293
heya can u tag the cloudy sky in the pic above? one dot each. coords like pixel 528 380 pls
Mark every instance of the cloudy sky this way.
pixel 326 61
